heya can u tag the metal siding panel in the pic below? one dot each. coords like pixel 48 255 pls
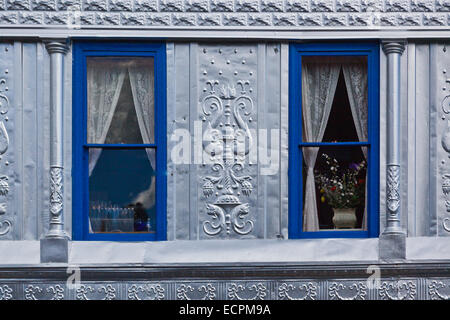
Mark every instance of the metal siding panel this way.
pixel 272 121
pixel 383 138
pixel 67 141
pixel 404 152
pixel 29 142
pixel 193 116
pixel 411 119
pixel 261 204
pixel 434 107
pixel 18 133
pixel 180 118
pixel 284 139
pixel 421 138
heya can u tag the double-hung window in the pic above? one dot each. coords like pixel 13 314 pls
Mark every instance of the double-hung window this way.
pixel 334 140
pixel 119 141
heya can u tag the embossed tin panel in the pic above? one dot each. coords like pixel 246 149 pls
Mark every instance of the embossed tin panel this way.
pixel 232 102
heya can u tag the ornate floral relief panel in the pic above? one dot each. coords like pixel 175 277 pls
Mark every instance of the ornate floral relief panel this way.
pixel 7 216
pixel 227 109
pixel 442 81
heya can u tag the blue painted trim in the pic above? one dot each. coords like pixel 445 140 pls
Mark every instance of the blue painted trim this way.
pixel 296 52
pixel 81 50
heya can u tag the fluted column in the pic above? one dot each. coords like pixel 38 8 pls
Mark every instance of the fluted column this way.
pixel 56 49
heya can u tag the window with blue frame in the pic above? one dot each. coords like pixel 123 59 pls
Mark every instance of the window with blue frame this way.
pixel 334 140
pixel 119 149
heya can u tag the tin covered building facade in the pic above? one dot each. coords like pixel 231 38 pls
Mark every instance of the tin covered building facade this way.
pixel 203 149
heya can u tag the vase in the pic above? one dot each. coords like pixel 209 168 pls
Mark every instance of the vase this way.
pixel 344 218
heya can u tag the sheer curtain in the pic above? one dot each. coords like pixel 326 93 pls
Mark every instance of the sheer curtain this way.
pixel 104 83
pixel 319 81
pixel 355 75
pixel 142 87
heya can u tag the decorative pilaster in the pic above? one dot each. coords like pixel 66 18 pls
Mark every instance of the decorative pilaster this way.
pixel 54 247
pixel 393 235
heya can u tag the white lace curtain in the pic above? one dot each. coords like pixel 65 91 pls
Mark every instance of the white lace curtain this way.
pixel 105 80
pixel 319 81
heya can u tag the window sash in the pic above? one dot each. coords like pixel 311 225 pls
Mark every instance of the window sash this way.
pixel 80 204
pixel 297 51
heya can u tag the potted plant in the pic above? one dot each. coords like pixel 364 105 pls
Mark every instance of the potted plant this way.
pixel 343 189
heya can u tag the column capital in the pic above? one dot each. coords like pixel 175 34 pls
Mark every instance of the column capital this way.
pixel 393 46
pixel 56 46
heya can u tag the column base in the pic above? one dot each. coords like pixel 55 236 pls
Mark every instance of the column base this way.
pixel 54 250
pixel 392 246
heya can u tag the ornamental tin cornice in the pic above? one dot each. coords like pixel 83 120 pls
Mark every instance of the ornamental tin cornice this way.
pixel 213 289
pixel 226 14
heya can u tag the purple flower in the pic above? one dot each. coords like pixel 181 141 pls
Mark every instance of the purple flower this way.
pixel 353 166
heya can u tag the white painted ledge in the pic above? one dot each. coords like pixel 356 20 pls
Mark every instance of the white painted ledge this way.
pixel 428 248
pixel 326 251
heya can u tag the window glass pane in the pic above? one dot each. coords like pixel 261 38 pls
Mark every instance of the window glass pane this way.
pixel 334 191
pixel 334 98
pixel 120 100
pixel 122 191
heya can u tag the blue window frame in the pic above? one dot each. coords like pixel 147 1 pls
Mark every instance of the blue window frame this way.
pixel 296 142
pixel 84 50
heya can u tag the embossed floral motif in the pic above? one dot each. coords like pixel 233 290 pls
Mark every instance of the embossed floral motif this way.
pixel 352 291
pixel 393 188
pixel 227 140
pixel 257 291
pixel 398 290
pixel 146 292
pixel 83 291
pixel 439 290
pixel 57 291
pixel 5 292
pixel 203 292
pixel 31 291
pixel 305 291
pixel 56 195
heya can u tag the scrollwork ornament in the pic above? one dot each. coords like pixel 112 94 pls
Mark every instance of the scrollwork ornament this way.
pixel 398 290
pixel 82 291
pixel 56 192
pixel 57 291
pixel 150 292
pixel 6 292
pixel 5 227
pixel 304 291
pixel 354 291
pixel 31 291
pixel 225 141
pixel 436 290
pixel 109 290
pixel 4 101
pixel 207 292
pixel 256 291
pixel 393 186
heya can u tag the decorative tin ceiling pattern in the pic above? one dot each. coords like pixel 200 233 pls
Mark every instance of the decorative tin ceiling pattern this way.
pixel 278 14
